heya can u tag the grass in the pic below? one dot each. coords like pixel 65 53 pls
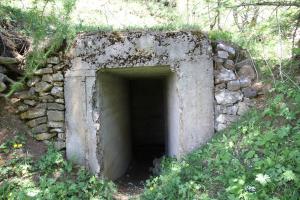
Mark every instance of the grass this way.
pixel 51 177
pixel 256 158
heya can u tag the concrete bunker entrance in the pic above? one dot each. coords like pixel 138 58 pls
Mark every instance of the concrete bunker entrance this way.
pixel 134 121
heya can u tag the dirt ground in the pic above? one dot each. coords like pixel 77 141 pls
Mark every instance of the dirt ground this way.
pixel 12 127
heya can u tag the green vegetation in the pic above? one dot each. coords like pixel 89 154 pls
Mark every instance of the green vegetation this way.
pixel 257 158
pixel 51 177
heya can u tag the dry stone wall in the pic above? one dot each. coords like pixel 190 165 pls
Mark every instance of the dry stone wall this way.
pixel 42 104
pixel 235 77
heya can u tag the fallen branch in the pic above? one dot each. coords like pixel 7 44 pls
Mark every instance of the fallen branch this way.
pixel 8 60
pixel 270 3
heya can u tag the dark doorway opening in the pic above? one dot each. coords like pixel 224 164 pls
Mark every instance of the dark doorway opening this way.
pixel 147 128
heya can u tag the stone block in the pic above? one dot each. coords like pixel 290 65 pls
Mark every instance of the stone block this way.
pixel 29 102
pixel 56 106
pixel 42 71
pixel 34 80
pixel 229 64
pixel 60 101
pixel 35 122
pixel 45 136
pixel 59 145
pixel 59 84
pixel 46 98
pixel 33 113
pixel 47 78
pixel 42 86
pixel 224 75
pixel 233 85
pixel 53 60
pixel 22 107
pixel 58 67
pixel 55 124
pixel 225 97
pixel 249 92
pixel 220 86
pixel 226 48
pixel 57 130
pixel 245 82
pixel 57 91
pixel 242 108
pixel 223 109
pixel 222 54
pixel 40 129
pixel 56 116
pixel 58 76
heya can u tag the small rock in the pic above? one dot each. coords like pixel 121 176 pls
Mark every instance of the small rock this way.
pixel 39 129
pixel 248 71
pixel 245 82
pixel 59 84
pixel 15 100
pixel 23 107
pixel 47 78
pixel 33 113
pixel 224 75
pixel 242 108
pixel 56 116
pixel 61 101
pixel 34 80
pixel 30 102
pixel 57 91
pixel 53 60
pixel 25 95
pixel 220 127
pixel 46 98
pixel 45 136
pixel 222 54
pixel 59 145
pixel 2 69
pixel 35 122
pixel 233 85
pixel 218 61
pixel 58 67
pixel 58 76
pixel 230 110
pixel 56 130
pixel 226 48
pixel 2 86
pixel 52 124
pixel 55 106
pixel 43 87
pixel 41 105
pixel 229 64
pixel 61 136
pixel 220 86
pixel 42 71
pixel 225 97
pixel 249 92
pixel 226 119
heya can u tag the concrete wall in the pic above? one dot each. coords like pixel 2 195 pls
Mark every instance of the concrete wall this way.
pixel 187 55
pixel 114 105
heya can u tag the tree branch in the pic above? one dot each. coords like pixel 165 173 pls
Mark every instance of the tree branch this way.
pixel 270 3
